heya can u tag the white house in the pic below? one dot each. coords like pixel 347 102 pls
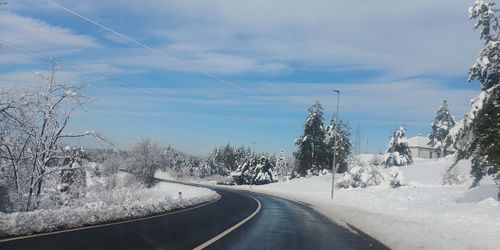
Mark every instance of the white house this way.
pixel 419 148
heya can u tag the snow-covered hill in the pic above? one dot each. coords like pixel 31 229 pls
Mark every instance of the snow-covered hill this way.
pixel 424 214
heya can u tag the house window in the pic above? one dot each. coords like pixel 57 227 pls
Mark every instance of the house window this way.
pixel 430 155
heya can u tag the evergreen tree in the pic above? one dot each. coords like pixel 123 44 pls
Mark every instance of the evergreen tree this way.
pixel 398 152
pixel 312 155
pixel 440 128
pixel 479 133
pixel 487 68
pixel 282 165
pixel 254 171
pixel 337 135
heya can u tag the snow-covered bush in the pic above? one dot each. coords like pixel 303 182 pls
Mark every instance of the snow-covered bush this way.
pixel 361 174
pixel 376 160
pixel 457 174
pixel 395 177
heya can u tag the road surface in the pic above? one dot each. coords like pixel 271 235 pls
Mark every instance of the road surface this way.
pixel 279 224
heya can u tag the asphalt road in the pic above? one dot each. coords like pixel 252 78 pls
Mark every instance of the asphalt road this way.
pixel 280 224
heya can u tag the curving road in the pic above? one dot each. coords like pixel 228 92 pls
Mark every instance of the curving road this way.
pixel 280 224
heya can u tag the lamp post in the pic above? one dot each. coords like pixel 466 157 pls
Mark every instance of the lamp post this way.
pixel 335 142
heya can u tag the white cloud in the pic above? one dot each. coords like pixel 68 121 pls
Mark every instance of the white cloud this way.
pixel 39 36
pixel 400 38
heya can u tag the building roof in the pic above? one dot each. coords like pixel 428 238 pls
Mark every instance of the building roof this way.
pixel 418 141
pixel 421 141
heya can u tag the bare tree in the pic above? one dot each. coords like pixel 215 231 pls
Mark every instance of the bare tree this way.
pixel 33 125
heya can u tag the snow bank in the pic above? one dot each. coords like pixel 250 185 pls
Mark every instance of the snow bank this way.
pixel 425 214
pixel 115 205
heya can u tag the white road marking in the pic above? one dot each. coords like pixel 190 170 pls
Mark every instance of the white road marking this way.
pixel 107 224
pixel 218 237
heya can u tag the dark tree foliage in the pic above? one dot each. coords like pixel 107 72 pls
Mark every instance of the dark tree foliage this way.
pixel 337 135
pixel 312 154
pixel 440 128
pixel 480 134
pixel 398 153
pixel 254 171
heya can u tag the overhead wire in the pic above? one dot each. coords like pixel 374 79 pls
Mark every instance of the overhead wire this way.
pixel 44 57
pixel 188 65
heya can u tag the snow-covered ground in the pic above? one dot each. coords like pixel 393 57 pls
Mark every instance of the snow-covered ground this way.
pixel 107 206
pixel 424 214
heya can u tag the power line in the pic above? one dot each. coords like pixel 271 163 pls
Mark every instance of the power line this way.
pixel 121 35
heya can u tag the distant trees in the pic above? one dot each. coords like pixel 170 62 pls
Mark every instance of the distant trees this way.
pixel 398 153
pixel 440 129
pixel 315 145
pixel 477 136
pixel 224 160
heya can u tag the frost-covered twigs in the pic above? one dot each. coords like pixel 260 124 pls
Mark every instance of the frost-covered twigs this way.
pixel 33 126
pixel 145 161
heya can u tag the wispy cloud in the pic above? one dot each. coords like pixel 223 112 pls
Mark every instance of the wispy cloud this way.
pixel 40 36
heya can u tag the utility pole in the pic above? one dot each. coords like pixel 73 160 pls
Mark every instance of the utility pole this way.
pixel 253 149
pixel 335 143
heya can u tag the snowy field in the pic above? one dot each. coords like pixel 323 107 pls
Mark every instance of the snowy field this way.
pixel 116 205
pixel 423 214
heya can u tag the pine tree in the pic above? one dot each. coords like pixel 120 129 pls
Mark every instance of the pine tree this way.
pixel 282 164
pixel 338 135
pixel 479 134
pixel 254 171
pixel 398 152
pixel 311 155
pixel 440 129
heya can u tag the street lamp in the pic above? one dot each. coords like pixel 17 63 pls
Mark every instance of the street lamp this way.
pixel 335 142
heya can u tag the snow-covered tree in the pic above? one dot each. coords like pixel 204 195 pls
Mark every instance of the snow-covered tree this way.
pixel 312 154
pixel 398 153
pixel 254 171
pixel 146 157
pixel 223 160
pixel 478 134
pixel 33 125
pixel 440 128
pixel 283 167
pixel 337 135
pixel 487 68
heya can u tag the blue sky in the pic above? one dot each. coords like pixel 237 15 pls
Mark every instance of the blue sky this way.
pixel 247 71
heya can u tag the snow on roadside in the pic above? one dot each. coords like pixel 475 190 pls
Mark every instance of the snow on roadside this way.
pixel 115 205
pixel 423 215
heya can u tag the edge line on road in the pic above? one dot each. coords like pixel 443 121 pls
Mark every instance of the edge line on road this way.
pixel 229 230
pixel 108 224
